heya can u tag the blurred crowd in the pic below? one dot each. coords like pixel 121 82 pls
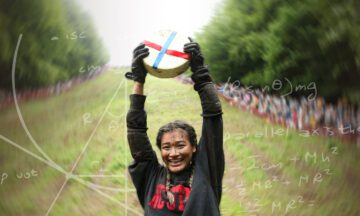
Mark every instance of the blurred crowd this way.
pixel 311 114
pixel 7 98
pixel 302 113
pixel 305 113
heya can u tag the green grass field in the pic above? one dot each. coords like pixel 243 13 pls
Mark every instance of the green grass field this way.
pixel 69 156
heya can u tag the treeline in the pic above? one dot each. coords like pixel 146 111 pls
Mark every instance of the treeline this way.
pixel 58 41
pixel 304 41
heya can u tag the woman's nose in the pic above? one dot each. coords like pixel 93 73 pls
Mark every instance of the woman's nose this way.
pixel 173 152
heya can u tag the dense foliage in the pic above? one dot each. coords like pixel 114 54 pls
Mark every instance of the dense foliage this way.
pixel 304 41
pixel 58 42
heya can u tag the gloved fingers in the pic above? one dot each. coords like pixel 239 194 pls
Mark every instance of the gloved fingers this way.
pixel 140 51
pixel 138 47
pixel 129 75
pixel 192 51
pixel 190 39
pixel 192 45
pixel 141 54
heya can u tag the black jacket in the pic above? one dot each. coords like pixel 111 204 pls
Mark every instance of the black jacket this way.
pixel 149 176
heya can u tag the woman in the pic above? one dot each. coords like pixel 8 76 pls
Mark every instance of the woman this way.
pixel 191 180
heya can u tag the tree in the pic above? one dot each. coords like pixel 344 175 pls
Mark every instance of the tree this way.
pixel 52 48
pixel 304 41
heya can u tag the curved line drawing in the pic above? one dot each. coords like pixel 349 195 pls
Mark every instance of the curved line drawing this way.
pixel 114 115
pixel 125 147
pixel 110 188
pixel 95 129
pixel 99 176
pixel 47 160
pixel 23 124
pixel 69 175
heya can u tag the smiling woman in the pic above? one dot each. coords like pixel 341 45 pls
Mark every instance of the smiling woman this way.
pixel 177 142
pixel 190 182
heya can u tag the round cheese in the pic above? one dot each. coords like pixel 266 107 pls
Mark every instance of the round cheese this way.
pixel 167 58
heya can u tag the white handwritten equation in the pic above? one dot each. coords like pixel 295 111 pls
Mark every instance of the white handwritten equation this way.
pixel 71 36
pixel 277 178
pixel 21 175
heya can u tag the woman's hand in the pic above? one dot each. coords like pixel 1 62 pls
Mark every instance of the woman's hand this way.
pixel 197 59
pixel 200 74
pixel 138 71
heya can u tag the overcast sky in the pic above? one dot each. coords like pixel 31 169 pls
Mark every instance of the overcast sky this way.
pixel 124 24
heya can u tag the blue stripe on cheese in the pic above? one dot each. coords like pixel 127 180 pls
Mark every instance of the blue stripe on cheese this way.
pixel 163 50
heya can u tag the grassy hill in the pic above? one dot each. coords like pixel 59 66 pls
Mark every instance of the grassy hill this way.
pixel 68 155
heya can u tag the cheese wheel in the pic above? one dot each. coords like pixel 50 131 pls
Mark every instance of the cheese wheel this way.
pixel 167 58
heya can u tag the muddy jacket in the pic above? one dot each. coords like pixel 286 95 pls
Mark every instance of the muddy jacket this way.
pixel 149 176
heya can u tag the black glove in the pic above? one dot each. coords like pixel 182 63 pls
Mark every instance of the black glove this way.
pixel 200 74
pixel 197 59
pixel 138 71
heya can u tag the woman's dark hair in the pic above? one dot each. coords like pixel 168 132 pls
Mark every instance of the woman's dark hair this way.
pixel 172 126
